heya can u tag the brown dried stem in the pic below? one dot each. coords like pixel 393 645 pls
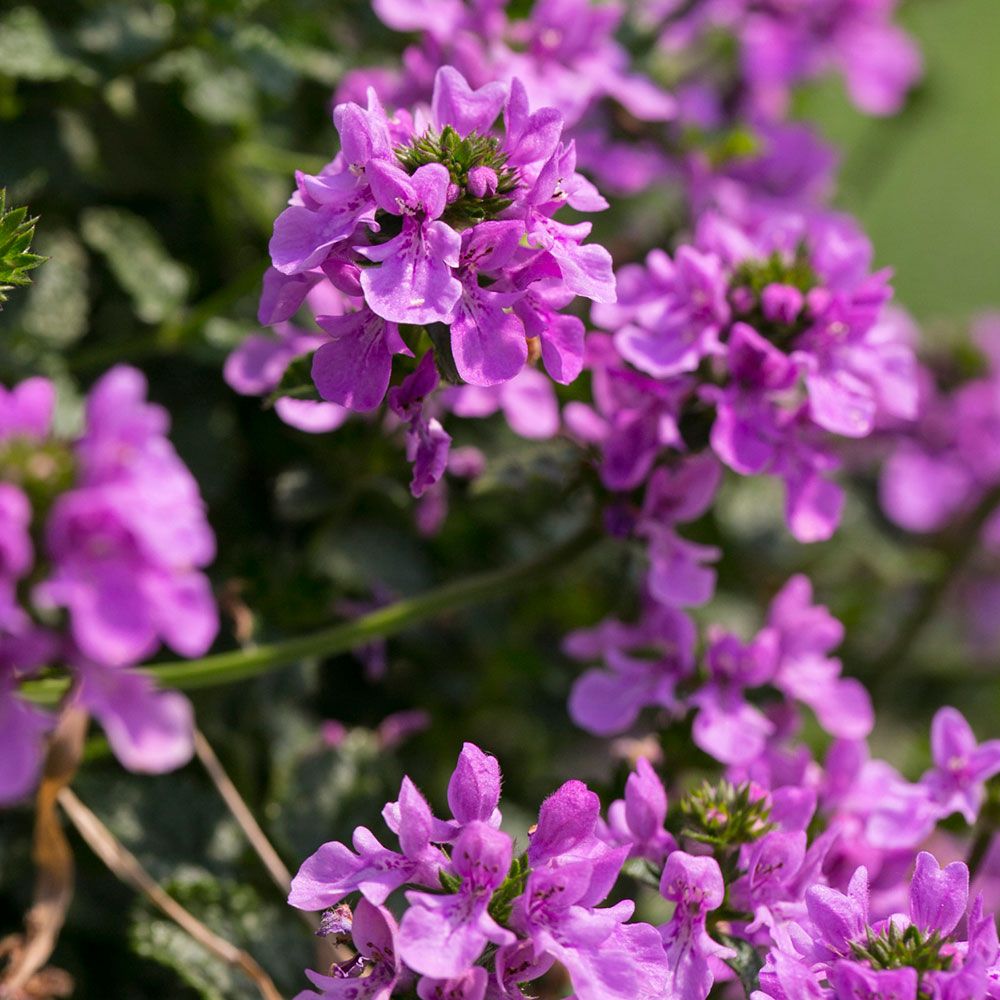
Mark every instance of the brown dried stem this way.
pixel 240 811
pixel 126 866
pixel 53 860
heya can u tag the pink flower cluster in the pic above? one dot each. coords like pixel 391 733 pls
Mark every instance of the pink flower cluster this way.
pixel 103 539
pixel 803 866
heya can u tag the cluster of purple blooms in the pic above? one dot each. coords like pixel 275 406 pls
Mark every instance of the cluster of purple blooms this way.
pixel 946 464
pixel 782 44
pixel 103 539
pixel 779 867
pixel 430 232
pixel 564 53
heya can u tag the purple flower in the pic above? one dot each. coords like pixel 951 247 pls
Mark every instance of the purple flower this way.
pixel 414 283
pixel 353 367
pixel 127 543
pixel 606 958
pixel 23 726
pixel 726 725
pixel 149 731
pixel 442 936
pixel 255 368
pixel 528 402
pixel 427 442
pixel 686 325
pixel 374 972
pixel 440 217
pixel 806 633
pixel 608 701
pixel 334 871
pixel 696 887
pixel 469 986
pixel 962 766
pixel 487 338
pixel 474 787
pixel 638 819
pixel 26 410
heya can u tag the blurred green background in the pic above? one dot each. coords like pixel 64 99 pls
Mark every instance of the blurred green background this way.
pixel 926 185
pixel 157 142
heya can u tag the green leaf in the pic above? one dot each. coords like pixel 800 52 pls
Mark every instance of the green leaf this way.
pixel 29 50
pixel 236 912
pixel 56 308
pixel 746 964
pixel 297 382
pixel 218 94
pixel 16 233
pixel 157 284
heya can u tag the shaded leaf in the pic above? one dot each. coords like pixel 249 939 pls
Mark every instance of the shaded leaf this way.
pixel 157 284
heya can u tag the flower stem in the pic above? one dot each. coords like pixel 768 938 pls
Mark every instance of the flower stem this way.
pixel 225 668
pixel 126 866
pixel 964 546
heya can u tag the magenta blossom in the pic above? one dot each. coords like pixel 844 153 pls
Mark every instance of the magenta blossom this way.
pixel 125 541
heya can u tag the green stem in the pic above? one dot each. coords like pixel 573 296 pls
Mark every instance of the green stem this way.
pixel 225 668
pixel 965 544
pixel 978 849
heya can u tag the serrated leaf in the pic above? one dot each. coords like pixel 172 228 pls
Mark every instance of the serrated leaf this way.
pixel 156 283
pixel 29 50
pixel 16 233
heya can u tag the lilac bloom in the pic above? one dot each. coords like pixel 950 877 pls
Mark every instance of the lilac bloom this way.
pixel 334 871
pixel 328 207
pixel 353 367
pixel 469 986
pixel 807 632
pixel 678 576
pixel 374 972
pixel 126 556
pixel 427 442
pixel 282 294
pixel 257 365
pixel 414 282
pixel 695 886
pixel 442 936
pixel 938 896
pixel 961 765
pixel 23 726
pixel 772 867
pixel 638 819
pixel 26 410
pixel 515 964
pixel 689 320
pixel 726 725
pixel 16 550
pixel 474 787
pixel 607 701
pixel 839 918
pixel 561 337
pixel 528 403
pixel 850 980
pixel 566 824
pixel 487 339
pixel 466 110
pixel 149 731
pixel 606 958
